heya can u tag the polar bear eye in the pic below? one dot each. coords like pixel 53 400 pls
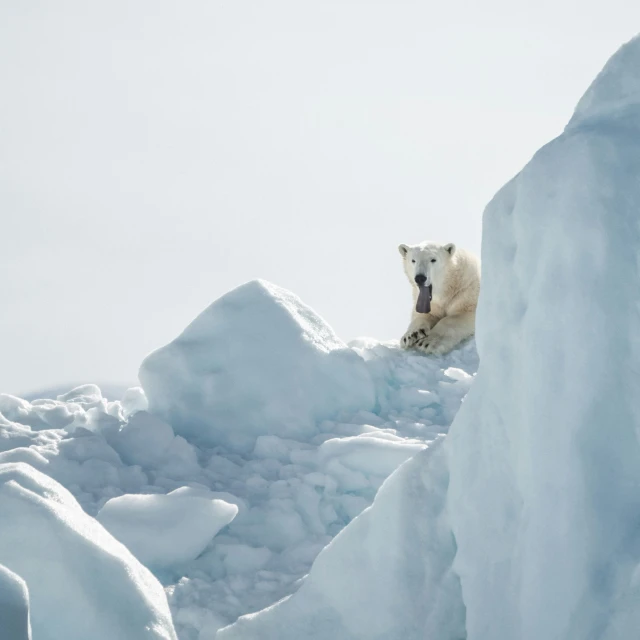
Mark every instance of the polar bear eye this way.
pixel 413 261
pixel 433 259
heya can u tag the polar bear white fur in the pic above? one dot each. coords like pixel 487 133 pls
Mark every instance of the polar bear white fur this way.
pixel 454 275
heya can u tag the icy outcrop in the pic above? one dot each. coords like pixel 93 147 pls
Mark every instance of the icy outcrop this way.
pixel 614 96
pixel 165 531
pixel 14 606
pixel 257 361
pixel 544 455
pixel 82 582
pixel 541 478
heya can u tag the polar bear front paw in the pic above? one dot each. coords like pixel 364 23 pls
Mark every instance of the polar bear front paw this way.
pixel 434 343
pixel 412 336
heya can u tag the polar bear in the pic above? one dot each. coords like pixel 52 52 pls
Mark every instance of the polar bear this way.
pixel 445 282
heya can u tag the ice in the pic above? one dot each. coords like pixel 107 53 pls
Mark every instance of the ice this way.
pixel 84 394
pixel 14 606
pixel 165 531
pixel 386 576
pixel 241 558
pixel 133 400
pixel 257 362
pixel 293 493
pixel 82 583
pixel 524 523
pixel 107 390
pixel 149 442
pixel 614 96
pixel 545 457
pixel 369 453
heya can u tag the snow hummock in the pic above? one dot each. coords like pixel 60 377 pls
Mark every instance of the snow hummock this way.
pixel 258 361
pixel 165 531
pixel 524 524
pixel 82 582
pixel 14 606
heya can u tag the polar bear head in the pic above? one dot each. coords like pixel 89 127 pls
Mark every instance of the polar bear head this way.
pixel 427 263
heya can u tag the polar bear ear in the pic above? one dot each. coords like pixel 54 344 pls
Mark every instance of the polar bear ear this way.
pixel 450 248
pixel 403 249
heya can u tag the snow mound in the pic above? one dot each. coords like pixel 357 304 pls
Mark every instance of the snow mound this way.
pixel 256 362
pixel 527 526
pixel 149 442
pixel 14 606
pixel 58 550
pixel 165 531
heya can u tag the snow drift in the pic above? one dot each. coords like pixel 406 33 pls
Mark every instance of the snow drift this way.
pixel 258 361
pixel 535 508
pixel 82 583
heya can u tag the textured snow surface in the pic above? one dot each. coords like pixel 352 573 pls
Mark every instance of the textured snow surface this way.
pixel 293 494
pixel 60 551
pixel 386 576
pixel 257 362
pixel 525 524
pixel 545 457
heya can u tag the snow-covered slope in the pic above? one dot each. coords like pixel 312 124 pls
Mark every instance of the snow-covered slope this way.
pixel 81 582
pixel 525 526
pixel 357 413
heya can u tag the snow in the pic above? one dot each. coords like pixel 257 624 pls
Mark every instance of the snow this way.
pixel 293 494
pixel 58 550
pixel 614 95
pixel 165 531
pixel 524 522
pixel 384 577
pixel 14 606
pixel 257 362
pixel 149 442
pixel 108 390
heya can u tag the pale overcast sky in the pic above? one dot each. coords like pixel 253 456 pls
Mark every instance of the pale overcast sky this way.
pixel 156 154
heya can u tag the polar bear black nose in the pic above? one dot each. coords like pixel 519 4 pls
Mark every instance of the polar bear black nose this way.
pixel 420 279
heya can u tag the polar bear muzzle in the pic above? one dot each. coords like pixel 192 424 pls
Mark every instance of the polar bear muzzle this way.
pixel 423 305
